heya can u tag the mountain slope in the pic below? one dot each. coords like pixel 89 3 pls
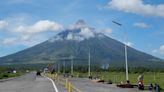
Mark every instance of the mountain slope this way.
pixel 78 42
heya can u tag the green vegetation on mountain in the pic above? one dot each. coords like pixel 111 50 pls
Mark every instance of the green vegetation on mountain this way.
pixel 104 51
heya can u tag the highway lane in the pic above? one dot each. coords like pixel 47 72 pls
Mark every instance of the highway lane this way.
pixel 32 83
pixel 27 83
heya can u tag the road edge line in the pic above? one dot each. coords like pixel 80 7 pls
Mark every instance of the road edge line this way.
pixel 55 88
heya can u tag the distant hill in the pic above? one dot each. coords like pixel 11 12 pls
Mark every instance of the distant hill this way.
pixel 78 42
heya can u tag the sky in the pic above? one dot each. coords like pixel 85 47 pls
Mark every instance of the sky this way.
pixel 25 23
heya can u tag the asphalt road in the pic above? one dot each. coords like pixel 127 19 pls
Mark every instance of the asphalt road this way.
pixel 86 85
pixel 28 83
pixel 32 83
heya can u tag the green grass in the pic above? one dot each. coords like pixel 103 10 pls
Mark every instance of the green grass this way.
pixel 9 75
pixel 117 77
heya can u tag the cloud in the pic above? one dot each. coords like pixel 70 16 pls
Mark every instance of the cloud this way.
pixel 9 41
pixel 130 44
pixel 87 33
pixel 72 36
pixel 39 26
pixel 78 31
pixel 160 50
pixel 137 7
pixel 79 24
pixel 20 31
pixel 155 51
pixel 3 24
pixel 23 33
pixel 107 31
pixel 25 40
pixel 141 25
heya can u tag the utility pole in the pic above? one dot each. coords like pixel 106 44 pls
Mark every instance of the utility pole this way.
pixel 89 64
pixel 126 61
pixel 126 54
pixel 154 77
pixel 71 65
pixel 58 67
pixel 64 67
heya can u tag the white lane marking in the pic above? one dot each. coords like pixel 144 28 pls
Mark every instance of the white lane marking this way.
pixel 55 88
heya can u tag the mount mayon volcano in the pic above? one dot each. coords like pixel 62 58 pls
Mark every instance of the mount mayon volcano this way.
pixel 78 41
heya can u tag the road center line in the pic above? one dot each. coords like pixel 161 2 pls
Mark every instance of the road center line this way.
pixel 55 88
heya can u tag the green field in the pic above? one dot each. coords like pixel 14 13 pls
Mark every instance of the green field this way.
pixel 9 75
pixel 117 77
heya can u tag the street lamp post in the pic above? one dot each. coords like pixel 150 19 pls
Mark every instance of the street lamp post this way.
pixel 89 64
pixel 126 54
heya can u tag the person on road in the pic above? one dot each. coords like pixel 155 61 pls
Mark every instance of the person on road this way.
pixel 151 87
pixel 140 82
pixel 157 88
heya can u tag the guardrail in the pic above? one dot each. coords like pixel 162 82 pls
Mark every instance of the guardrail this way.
pixel 65 82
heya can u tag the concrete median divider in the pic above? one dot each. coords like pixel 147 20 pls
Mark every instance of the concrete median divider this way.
pixel 64 81
pixel 66 84
pixel 70 87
